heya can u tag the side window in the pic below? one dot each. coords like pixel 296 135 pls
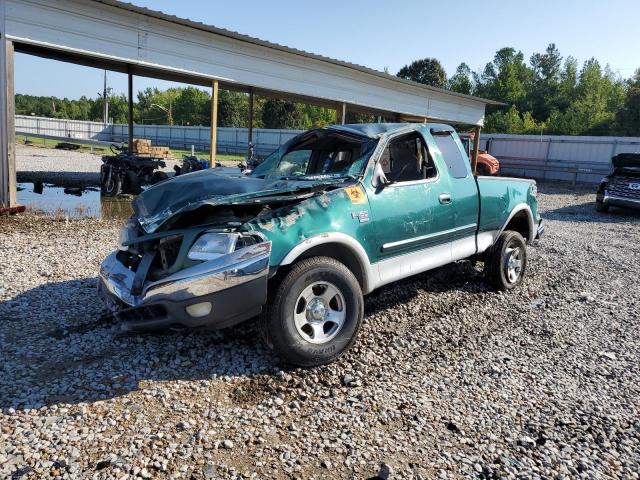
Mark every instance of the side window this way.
pixel 405 159
pixel 294 163
pixel 456 163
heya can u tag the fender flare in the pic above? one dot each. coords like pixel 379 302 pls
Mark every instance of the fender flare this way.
pixel 517 209
pixel 368 272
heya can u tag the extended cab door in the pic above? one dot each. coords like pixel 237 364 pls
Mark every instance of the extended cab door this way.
pixel 408 213
pixel 463 193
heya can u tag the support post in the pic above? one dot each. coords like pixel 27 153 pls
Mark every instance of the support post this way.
pixel 7 121
pixel 341 113
pixel 250 114
pixel 130 105
pixel 214 123
pixel 476 149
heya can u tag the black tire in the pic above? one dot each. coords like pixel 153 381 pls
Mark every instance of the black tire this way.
pixel 496 262
pixel 159 176
pixel 131 183
pixel 601 207
pixel 111 187
pixel 278 325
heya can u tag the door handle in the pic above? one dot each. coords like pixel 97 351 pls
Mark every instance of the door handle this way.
pixel 445 198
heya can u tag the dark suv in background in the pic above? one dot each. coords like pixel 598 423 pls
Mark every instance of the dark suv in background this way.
pixel 621 188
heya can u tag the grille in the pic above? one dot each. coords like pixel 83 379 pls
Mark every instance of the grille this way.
pixel 141 314
pixel 619 187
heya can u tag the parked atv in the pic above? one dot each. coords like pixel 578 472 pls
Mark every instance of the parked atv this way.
pixel 190 164
pixel 125 173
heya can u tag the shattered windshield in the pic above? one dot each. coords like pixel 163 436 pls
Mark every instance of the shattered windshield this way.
pixel 318 154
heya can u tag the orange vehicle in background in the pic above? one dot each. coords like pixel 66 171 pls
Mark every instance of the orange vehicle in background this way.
pixel 487 163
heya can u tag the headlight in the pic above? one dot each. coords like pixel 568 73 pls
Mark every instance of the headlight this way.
pixel 213 245
pixel 533 190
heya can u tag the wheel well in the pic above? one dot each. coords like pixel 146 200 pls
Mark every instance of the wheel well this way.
pixel 520 223
pixel 339 252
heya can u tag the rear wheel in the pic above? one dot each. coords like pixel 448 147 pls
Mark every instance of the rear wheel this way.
pixel 315 314
pixel 112 184
pixel 506 262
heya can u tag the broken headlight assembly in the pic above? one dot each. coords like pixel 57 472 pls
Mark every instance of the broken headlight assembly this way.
pixel 212 245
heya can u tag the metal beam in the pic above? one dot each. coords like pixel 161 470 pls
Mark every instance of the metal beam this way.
pixel 4 148
pixel 7 119
pixel 11 126
pixel 250 114
pixel 214 123
pixel 152 42
pixel 476 149
pixel 130 108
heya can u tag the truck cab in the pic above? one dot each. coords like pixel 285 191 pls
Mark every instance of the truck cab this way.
pixel 330 216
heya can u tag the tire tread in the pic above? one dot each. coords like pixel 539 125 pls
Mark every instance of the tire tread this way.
pixel 283 288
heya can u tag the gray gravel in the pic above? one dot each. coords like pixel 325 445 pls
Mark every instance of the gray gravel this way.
pixel 448 379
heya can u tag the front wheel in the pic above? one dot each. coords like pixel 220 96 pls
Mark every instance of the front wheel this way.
pixel 112 184
pixel 315 313
pixel 602 207
pixel 506 262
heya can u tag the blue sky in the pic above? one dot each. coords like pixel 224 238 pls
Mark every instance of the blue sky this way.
pixel 386 33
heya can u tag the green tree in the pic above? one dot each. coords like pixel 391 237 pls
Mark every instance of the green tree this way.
pixel 506 79
pixel 628 117
pixel 599 95
pixel 191 107
pixel 545 88
pixel 427 70
pixel 280 114
pixel 461 81
pixel 233 109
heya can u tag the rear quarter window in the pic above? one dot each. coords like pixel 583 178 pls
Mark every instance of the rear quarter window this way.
pixel 452 155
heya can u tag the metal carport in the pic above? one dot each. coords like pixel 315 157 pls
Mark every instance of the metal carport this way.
pixel 138 41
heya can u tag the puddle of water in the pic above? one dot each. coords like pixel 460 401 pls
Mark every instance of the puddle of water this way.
pixel 82 202
pixel 74 202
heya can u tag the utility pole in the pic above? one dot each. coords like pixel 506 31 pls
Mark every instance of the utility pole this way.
pixel 106 93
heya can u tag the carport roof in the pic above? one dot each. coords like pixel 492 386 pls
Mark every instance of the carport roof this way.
pixel 257 41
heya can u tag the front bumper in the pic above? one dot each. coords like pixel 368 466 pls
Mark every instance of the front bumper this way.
pixel 617 201
pixel 235 286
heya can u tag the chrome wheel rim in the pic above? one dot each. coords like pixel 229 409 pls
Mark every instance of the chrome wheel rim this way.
pixel 319 312
pixel 513 263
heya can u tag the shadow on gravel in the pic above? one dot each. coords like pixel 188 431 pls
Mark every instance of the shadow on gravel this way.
pixel 60 347
pixel 586 212
pixel 461 276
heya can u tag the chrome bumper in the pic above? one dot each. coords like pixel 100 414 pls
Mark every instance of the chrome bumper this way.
pixel 620 201
pixel 210 280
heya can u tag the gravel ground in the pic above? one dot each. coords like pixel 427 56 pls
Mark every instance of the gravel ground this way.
pixel 448 379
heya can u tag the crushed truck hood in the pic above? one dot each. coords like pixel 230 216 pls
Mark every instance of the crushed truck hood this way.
pixel 187 192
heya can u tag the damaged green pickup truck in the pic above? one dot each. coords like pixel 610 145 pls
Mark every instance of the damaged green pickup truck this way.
pixel 330 216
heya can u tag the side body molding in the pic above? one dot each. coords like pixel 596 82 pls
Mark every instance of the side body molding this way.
pixel 369 272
